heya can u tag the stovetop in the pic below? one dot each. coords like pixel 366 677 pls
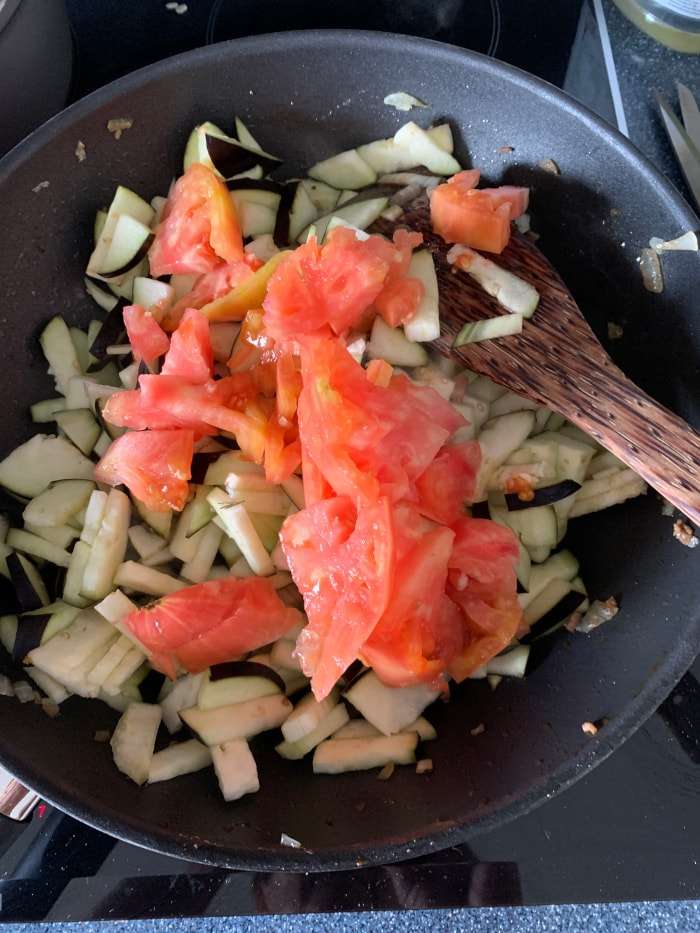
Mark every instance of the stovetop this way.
pixel 628 831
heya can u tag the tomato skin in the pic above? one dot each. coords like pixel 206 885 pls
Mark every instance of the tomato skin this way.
pixel 342 560
pixel 449 482
pixel 190 354
pixel 147 338
pixel 154 465
pixel 210 623
pixel 490 624
pixel 199 229
pixel 457 221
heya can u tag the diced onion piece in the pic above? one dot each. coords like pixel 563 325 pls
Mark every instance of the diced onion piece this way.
pixel 687 242
pixel 652 276
pixel 489 329
pixel 511 292
pixel 401 100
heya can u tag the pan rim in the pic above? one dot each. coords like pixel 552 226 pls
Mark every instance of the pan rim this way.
pixel 436 836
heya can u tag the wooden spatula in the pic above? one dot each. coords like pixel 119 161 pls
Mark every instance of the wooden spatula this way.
pixel 558 362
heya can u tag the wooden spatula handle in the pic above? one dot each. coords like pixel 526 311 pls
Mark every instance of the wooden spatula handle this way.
pixel 655 443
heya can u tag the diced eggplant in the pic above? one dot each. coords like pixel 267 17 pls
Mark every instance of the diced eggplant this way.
pixel 134 739
pixel 238 682
pixel 135 576
pixel 110 332
pixel 53 690
pixel 498 439
pixel 29 588
pixel 109 547
pixel 42 460
pixel 182 696
pixel 510 664
pixel 60 352
pixel 238 721
pixel 337 756
pixel 390 344
pixel 307 715
pixel 231 462
pixel 327 726
pixel 197 569
pixel 153 295
pixel 239 527
pixel 511 292
pixel 146 543
pixel 57 504
pixel 183 758
pixel 235 769
pixel 80 427
pixel 425 323
pixel 545 495
pixel 344 170
pixel 390 709
pixel 124 204
pixel 160 522
pixel 37 547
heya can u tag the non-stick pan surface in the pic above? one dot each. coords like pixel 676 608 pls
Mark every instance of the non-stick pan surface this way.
pixel 306 95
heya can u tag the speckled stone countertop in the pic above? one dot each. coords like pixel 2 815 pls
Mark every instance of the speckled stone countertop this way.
pixel 668 917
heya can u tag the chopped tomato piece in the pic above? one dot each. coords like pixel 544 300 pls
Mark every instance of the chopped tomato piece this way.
pixel 399 299
pixel 449 482
pixel 342 561
pixel 154 465
pixel 210 623
pixel 281 458
pixel 482 583
pixel 367 440
pixel 316 487
pixel 333 286
pixel 190 354
pixel 420 632
pixel 250 343
pixel 484 555
pixel 480 218
pixel 129 409
pixel 147 338
pixel 489 625
pixel 199 229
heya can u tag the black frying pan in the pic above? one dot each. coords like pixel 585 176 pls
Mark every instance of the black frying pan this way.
pixel 306 95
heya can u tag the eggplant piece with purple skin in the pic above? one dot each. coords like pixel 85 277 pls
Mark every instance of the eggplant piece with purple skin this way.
pixel 231 158
pixel 27 584
pixel 546 495
pixel 110 333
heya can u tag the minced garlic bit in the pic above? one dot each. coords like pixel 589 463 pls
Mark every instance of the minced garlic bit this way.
pixel 117 125
pixel 589 728
pixel 684 533
pixel 549 165
pixel 290 841
pixel 386 771
pixel 477 730
pixel 614 331
pixel 424 766
pixel 400 100
pixel 178 8
pixel 80 151
pixel 37 188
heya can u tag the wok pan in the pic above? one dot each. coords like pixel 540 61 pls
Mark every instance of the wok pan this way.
pixel 306 95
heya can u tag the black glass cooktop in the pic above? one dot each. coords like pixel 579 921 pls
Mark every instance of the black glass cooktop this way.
pixel 628 831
